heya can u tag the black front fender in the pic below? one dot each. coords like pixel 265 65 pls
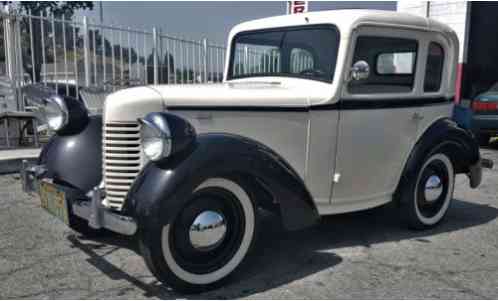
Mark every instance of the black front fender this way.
pixel 165 187
pixel 76 158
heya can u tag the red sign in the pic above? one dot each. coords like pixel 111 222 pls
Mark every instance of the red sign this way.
pixel 297 7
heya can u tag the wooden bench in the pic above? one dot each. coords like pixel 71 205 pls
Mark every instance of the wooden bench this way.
pixel 21 117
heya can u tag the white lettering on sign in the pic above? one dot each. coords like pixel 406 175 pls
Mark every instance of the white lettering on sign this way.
pixel 297 7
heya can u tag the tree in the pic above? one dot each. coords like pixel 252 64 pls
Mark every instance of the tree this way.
pixel 102 45
pixel 126 54
pixel 55 8
pixel 166 66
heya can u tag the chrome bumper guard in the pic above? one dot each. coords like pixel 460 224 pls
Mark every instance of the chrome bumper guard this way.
pixel 475 171
pixel 92 210
pixel 487 163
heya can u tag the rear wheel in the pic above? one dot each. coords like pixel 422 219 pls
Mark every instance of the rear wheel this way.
pixel 425 199
pixel 206 241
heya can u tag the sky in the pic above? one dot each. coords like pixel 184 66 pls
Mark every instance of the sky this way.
pixel 210 19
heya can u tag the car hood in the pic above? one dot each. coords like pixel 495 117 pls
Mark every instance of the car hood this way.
pixel 298 93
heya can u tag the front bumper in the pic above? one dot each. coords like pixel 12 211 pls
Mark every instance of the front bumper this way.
pixel 86 206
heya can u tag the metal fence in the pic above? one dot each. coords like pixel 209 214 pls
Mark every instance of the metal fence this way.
pixel 73 55
pixel 257 59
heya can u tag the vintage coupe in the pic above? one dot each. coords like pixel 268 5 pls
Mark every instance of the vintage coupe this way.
pixel 319 113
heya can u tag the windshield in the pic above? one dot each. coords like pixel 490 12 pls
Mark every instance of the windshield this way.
pixel 304 52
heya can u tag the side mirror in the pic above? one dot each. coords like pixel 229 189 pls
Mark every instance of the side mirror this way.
pixel 360 70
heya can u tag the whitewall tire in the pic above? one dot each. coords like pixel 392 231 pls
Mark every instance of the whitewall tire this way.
pixel 426 197
pixel 207 240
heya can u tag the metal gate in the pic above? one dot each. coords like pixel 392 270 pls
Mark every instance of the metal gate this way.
pixel 78 56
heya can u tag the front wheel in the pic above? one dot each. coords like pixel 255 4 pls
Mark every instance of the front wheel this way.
pixel 206 241
pixel 425 199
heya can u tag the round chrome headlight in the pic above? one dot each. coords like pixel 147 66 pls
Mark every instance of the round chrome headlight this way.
pixel 164 135
pixel 156 139
pixel 55 113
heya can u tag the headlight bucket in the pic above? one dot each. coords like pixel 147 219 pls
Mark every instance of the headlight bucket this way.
pixel 155 138
pixel 63 114
pixel 163 135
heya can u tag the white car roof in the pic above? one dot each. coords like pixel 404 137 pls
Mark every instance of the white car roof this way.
pixel 345 20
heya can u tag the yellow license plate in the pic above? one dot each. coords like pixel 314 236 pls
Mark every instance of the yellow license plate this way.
pixel 54 201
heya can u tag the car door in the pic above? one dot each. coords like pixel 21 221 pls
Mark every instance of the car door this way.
pixel 378 118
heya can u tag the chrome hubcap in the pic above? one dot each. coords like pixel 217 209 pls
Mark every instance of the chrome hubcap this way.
pixel 207 231
pixel 433 188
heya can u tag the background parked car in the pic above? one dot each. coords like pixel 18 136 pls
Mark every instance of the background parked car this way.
pixel 485 108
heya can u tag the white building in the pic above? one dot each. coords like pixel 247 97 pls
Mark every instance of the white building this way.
pixel 476 24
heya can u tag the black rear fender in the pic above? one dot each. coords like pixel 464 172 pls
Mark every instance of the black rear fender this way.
pixel 459 144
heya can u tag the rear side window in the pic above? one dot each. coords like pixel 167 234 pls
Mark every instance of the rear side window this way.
pixel 392 64
pixel 434 68
pixel 396 63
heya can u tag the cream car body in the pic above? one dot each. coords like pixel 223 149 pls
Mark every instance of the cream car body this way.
pixel 313 141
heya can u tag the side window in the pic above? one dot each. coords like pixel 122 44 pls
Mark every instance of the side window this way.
pixel 396 63
pixel 392 64
pixel 300 60
pixel 434 68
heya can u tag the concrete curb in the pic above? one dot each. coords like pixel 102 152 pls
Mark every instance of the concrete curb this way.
pixel 13 165
pixel 11 160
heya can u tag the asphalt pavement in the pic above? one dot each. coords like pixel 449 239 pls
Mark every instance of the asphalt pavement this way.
pixel 361 255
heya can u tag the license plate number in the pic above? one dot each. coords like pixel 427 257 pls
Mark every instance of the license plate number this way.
pixel 54 201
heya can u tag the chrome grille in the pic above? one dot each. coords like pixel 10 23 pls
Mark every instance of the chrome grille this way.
pixel 122 160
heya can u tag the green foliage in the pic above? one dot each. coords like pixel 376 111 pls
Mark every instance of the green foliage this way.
pixel 57 8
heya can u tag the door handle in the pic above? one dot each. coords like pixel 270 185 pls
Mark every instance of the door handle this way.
pixel 417 116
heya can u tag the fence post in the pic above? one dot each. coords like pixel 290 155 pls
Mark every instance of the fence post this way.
pixel 86 54
pixel 246 60
pixel 19 65
pixel 9 42
pixel 154 53
pixel 12 53
pixel 205 58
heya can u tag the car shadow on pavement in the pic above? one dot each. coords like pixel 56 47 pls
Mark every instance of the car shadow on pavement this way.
pixel 282 257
